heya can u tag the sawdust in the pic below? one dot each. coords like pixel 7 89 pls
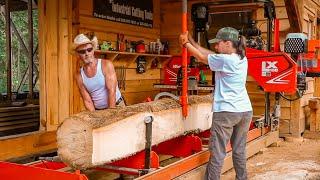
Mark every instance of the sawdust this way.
pixel 288 161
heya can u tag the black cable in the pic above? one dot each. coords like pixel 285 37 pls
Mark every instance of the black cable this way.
pixel 299 94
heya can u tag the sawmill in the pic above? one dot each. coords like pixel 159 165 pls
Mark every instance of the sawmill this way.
pixel 160 125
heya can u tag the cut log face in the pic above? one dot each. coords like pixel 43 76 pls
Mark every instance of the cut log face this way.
pixel 91 139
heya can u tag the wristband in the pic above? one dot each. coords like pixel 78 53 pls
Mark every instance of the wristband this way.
pixel 184 45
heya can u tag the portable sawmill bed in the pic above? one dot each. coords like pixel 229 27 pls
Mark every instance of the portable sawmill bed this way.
pixel 193 167
pixel 190 167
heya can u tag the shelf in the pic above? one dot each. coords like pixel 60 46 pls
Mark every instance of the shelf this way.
pixel 130 53
pixel 116 53
pixel 130 58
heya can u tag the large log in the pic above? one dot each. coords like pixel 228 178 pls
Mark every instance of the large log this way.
pixel 90 139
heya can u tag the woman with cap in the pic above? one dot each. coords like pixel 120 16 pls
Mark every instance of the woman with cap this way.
pixel 232 110
pixel 96 79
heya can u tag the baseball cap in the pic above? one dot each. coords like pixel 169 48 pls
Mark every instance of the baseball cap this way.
pixel 226 34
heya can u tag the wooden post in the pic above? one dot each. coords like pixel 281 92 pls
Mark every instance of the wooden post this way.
pixel 292 7
pixel 295 125
pixel 8 45
pixel 30 53
pixel 316 84
pixel 314 105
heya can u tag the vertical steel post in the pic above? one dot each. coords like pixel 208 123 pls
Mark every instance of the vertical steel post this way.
pixel 270 15
pixel 8 49
pixel 269 34
pixel 147 163
pixel 276 48
pixel 276 36
pixel 30 53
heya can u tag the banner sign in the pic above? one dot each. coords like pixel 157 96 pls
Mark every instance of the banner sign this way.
pixel 135 12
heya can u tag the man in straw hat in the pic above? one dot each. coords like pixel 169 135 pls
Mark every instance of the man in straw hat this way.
pixel 96 79
pixel 231 104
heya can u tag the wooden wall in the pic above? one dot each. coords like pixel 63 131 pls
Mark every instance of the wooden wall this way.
pixel 309 17
pixel 55 33
pixel 170 25
pixel 138 87
pixel 59 24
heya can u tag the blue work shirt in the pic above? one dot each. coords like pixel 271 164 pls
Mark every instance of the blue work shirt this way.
pixel 230 92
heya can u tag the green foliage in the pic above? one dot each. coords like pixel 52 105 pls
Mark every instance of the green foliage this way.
pixel 19 57
pixel 3 78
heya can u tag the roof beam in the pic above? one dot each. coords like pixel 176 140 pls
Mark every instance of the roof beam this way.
pixel 293 15
pixel 228 8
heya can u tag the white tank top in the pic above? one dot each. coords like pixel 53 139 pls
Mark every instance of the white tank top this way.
pixel 96 86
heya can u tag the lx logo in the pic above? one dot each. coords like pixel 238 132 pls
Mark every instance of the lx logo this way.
pixel 268 67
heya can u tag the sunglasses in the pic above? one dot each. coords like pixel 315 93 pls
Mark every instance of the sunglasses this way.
pixel 83 51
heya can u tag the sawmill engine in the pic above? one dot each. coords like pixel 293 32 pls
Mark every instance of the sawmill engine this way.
pixel 253 36
pixel 305 52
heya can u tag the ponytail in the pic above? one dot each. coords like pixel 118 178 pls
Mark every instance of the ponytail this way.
pixel 240 46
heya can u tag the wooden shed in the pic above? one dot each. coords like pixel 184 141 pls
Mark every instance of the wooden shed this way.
pixel 61 20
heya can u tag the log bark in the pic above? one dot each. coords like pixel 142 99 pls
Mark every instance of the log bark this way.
pixel 91 139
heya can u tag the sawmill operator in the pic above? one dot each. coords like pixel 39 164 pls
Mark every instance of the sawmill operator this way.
pixel 232 110
pixel 96 79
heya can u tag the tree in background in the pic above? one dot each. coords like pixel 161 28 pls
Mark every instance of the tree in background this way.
pixel 19 56
pixel 3 64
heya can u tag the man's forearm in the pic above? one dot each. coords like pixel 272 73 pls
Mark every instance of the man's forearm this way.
pixel 112 99
pixel 89 106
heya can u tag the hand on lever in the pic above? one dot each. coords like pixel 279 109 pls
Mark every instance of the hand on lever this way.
pixel 184 39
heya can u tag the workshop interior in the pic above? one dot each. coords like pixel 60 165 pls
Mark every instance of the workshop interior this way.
pixel 164 130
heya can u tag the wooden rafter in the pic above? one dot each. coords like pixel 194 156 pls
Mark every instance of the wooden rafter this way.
pixel 240 7
pixel 293 15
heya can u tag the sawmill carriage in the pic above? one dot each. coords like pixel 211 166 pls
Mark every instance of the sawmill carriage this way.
pixel 278 82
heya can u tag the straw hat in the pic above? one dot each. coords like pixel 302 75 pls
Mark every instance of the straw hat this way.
pixel 82 39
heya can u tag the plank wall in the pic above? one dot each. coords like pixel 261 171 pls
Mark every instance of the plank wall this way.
pixel 137 86
pixel 60 21
pixel 55 27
